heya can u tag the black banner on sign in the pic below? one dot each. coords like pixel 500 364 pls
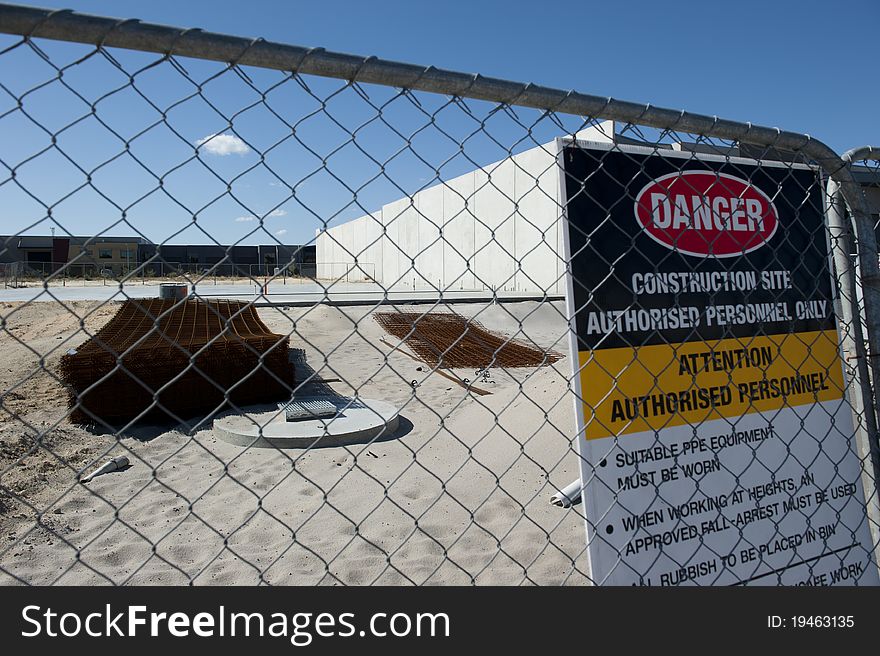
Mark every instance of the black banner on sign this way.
pixel 616 268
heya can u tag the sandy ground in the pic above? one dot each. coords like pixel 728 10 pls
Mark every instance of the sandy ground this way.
pixel 458 496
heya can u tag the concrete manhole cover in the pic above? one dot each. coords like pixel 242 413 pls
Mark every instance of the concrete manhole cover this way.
pixel 356 421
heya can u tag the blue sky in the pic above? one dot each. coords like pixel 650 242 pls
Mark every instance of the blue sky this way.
pixel 766 62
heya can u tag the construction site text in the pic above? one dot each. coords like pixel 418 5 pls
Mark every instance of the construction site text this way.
pixel 696 282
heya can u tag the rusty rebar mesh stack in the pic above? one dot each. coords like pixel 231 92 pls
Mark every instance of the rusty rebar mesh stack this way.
pixel 450 341
pixel 201 350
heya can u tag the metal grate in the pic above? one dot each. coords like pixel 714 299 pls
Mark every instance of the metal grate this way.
pixel 301 409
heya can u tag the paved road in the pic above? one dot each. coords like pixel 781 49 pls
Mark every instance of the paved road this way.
pixel 279 294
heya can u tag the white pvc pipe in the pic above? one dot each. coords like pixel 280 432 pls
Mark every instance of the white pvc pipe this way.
pixel 568 496
pixel 114 464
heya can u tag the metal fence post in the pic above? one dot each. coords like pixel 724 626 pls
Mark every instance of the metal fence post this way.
pixel 844 193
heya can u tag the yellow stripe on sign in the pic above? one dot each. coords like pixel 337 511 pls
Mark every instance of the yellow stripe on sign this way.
pixel 629 390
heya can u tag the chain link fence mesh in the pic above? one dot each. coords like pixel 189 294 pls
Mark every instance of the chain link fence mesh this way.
pixel 438 286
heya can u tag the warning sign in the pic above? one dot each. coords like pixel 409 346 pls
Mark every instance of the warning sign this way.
pixel 716 438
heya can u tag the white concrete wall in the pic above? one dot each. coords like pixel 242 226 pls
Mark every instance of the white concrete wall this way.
pixel 394 257
pixel 539 243
pixel 459 232
pixel 351 251
pixel 430 219
pixel 498 227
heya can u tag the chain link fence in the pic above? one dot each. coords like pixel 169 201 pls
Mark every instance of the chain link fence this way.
pixel 407 413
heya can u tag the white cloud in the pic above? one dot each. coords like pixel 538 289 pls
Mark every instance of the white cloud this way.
pixel 274 213
pixel 223 144
pixel 280 233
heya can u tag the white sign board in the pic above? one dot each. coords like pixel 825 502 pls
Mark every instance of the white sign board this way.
pixel 716 440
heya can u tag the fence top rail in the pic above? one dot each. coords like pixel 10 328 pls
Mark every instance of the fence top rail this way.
pixel 67 25
pixel 861 154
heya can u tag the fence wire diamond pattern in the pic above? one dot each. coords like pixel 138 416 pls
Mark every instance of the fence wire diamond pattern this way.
pixel 304 214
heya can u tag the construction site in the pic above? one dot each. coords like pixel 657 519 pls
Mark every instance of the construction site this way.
pixel 454 375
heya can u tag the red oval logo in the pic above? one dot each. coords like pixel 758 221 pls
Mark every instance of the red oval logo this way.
pixel 706 214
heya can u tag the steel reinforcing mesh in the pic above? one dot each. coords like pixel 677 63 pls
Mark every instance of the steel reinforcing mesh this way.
pixel 177 357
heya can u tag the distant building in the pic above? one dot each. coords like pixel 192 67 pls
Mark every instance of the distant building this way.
pixel 47 254
pixel 115 253
pixel 93 255
pixel 230 260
